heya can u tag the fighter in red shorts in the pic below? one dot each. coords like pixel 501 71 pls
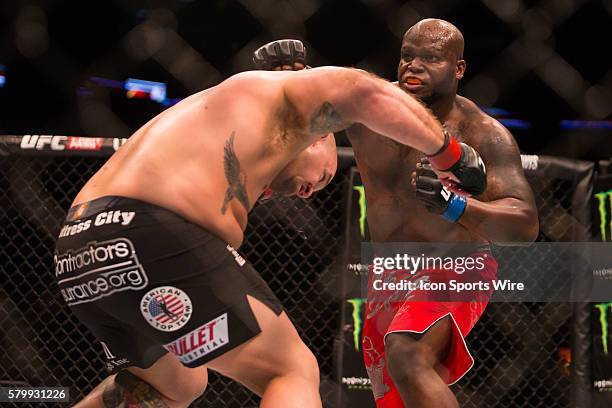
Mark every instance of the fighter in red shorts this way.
pixel 414 350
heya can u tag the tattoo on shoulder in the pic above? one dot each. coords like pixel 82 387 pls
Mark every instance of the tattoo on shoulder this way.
pixel 236 178
pixel 127 390
pixel 497 138
pixel 326 119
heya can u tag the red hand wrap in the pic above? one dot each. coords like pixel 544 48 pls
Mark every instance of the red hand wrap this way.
pixel 448 155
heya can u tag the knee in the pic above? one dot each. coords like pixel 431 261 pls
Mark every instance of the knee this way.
pixel 309 367
pixel 198 380
pixel 189 385
pixel 313 369
pixel 303 364
pixel 407 359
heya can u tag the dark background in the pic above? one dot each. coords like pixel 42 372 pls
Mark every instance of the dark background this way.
pixel 541 61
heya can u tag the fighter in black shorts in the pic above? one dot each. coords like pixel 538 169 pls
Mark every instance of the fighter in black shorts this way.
pixel 146 256
pixel 159 274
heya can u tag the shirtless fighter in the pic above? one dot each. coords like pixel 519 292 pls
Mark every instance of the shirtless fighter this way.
pixel 146 256
pixel 412 350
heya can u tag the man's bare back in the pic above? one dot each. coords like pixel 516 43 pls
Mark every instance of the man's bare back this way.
pixel 211 156
pixel 176 160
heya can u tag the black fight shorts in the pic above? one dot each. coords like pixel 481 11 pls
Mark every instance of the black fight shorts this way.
pixel 146 282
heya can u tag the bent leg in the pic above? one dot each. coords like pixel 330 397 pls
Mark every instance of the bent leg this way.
pixel 166 384
pixel 414 363
pixel 276 364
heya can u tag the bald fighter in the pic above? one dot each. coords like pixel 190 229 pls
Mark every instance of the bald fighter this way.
pixel 421 344
pixel 146 256
pixel 414 350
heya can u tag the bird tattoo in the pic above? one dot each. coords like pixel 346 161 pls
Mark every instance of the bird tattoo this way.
pixel 236 178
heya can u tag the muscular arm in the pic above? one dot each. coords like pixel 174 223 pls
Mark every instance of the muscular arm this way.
pixel 333 99
pixel 510 215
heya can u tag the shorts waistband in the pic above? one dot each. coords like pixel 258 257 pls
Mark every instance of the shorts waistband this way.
pixel 89 208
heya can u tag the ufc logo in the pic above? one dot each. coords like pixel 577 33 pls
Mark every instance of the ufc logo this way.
pixel 39 142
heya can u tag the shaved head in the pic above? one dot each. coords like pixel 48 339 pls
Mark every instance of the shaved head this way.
pixel 440 32
pixel 431 61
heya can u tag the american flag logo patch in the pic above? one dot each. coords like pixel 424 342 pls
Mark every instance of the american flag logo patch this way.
pixel 166 308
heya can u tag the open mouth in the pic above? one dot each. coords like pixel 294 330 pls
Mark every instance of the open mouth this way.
pixel 413 81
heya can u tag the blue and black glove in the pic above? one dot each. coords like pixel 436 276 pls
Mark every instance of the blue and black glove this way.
pixel 437 199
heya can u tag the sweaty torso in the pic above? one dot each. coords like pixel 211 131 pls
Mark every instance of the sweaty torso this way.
pixel 394 213
pixel 208 158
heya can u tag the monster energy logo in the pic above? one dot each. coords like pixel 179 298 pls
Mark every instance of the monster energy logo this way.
pixel 357 323
pixel 362 209
pixel 603 207
pixel 603 320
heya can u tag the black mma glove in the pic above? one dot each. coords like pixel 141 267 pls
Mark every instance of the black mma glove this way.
pixel 437 199
pixel 278 53
pixel 463 162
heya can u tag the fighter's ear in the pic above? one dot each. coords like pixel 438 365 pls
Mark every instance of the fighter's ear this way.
pixel 460 70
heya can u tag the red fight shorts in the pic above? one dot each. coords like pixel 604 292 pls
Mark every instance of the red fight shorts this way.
pixel 416 311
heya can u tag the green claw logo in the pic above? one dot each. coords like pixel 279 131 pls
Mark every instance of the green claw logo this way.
pixel 604 205
pixel 603 320
pixel 357 303
pixel 362 209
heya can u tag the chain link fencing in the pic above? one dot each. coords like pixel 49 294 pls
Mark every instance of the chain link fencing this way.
pixel 296 245
pixel 523 350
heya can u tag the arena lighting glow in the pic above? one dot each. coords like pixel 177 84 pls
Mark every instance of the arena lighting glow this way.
pixel 502 116
pixel 586 124
pixel 138 88
pixel 156 91
pixel 135 88
pixel 515 123
pixel 107 83
pixel 2 76
pixel 493 111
